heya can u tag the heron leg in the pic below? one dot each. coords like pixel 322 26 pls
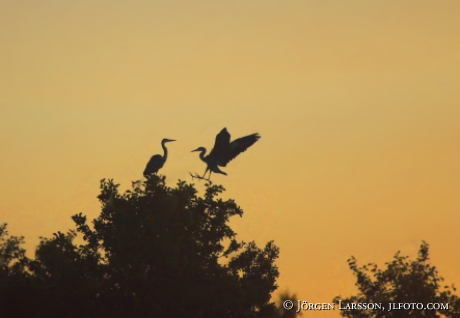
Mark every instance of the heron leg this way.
pixel 205 173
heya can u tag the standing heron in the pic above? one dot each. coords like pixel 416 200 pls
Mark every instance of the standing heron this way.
pixel 157 161
pixel 224 151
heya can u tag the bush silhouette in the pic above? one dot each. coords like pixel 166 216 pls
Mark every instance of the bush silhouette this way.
pixel 403 281
pixel 153 251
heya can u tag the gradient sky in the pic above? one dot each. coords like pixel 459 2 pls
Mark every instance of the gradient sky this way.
pixel 357 103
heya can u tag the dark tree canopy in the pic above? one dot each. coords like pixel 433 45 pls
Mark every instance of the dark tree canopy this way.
pixel 154 251
pixel 403 281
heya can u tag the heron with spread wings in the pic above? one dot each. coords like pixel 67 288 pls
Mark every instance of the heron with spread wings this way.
pixel 157 161
pixel 223 152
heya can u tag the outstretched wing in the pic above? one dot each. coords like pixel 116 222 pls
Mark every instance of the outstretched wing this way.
pixel 221 147
pixel 238 146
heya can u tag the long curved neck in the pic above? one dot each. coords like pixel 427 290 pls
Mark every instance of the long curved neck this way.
pixel 165 150
pixel 202 153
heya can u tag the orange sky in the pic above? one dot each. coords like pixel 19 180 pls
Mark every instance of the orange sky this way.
pixel 357 103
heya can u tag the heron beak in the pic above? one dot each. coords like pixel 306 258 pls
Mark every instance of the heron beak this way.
pixel 169 140
pixel 195 150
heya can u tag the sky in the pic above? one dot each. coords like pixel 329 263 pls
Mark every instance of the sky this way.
pixel 357 105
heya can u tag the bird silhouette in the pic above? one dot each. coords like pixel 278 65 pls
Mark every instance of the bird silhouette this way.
pixel 157 161
pixel 223 152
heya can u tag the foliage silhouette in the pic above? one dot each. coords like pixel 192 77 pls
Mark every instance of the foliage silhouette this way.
pixel 153 251
pixel 15 282
pixel 403 281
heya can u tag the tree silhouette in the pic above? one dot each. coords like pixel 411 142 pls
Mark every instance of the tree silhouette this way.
pixel 15 281
pixel 153 251
pixel 403 281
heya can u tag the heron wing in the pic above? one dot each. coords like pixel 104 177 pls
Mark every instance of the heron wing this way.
pixel 155 163
pixel 221 147
pixel 238 146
